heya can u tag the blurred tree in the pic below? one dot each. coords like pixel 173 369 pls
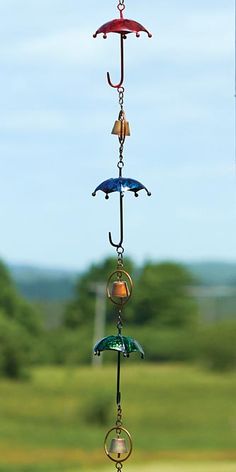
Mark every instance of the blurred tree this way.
pixel 81 310
pixel 19 328
pixel 15 347
pixel 162 298
pixel 217 345
pixel 14 307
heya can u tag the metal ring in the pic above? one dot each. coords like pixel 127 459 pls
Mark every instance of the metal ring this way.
pixel 120 165
pixel 130 444
pixel 122 301
pixel 120 90
pixel 120 250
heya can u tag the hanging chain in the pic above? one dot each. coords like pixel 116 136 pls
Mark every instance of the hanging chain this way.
pixel 121 92
pixel 120 257
pixel 119 322
pixel 121 290
pixel 119 419
pixel 120 249
pixel 120 164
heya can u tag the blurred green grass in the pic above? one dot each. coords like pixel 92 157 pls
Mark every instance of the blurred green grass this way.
pixel 51 423
pixel 154 467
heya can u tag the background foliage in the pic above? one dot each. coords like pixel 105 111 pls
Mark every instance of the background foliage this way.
pixel 53 409
pixel 163 316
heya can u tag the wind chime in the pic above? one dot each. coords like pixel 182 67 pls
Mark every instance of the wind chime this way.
pixel 118 443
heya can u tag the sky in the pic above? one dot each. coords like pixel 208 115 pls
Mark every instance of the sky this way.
pixel 56 116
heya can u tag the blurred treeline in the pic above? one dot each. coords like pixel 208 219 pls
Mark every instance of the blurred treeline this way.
pixel 163 316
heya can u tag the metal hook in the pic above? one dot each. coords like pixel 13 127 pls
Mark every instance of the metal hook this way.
pixel 121 65
pixel 121 226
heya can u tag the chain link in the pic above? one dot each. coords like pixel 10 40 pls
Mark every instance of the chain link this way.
pixel 120 164
pixel 121 5
pixel 119 323
pixel 120 257
pixel 119 326
pixel 119 466
pixel 120 262
pixel 121 150
pixel 119 419
pixel 121 92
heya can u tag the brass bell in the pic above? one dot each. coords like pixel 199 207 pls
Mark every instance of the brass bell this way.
pixel 121 127
pixel 118 446
pixel 120 289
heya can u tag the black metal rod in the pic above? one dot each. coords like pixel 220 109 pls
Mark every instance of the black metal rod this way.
pixel 118 393
pixel 122 72
pixel 121 226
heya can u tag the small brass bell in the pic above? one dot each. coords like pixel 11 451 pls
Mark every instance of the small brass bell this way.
pixel 121 127
pixel 118 446
pixel 120 289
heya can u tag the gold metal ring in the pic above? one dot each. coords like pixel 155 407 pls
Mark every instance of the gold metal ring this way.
pixel 130 444
pixel 122 301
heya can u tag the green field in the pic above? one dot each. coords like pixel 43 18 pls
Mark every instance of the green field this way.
pixel 185 467
pixel 56 421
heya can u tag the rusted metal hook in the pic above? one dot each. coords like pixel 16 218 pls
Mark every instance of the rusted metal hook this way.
pixel 122 37
pixel 119 245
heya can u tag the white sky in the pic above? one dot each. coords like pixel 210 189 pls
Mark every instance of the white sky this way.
pixel 57 111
